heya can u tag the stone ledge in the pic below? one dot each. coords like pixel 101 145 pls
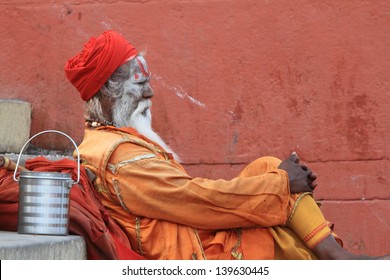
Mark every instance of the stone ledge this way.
pixel 15 116
pixel 14 246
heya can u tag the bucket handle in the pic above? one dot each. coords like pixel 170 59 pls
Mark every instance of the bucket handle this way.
pixel 48 131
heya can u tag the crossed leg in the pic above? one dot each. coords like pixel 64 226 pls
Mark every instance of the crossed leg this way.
pixel 307 234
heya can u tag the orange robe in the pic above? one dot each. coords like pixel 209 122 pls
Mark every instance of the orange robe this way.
pixel 167 214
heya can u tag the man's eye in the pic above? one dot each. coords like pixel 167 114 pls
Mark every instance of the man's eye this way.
pixel 142 82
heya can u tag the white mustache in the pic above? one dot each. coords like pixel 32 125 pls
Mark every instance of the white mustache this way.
pixel 143 107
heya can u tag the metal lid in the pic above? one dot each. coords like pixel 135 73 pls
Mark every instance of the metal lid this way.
pixel 45 175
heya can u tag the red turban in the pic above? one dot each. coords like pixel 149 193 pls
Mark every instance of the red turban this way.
pixel 98 60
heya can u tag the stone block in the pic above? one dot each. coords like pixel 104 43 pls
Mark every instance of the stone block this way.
pixel 15 122
pixel 14 246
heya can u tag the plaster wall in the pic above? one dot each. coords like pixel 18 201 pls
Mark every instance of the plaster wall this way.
pixel 233 80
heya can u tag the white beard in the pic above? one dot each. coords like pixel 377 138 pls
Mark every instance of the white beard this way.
pixel 141 120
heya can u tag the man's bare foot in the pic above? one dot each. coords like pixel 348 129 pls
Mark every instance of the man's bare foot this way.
pixel 329 249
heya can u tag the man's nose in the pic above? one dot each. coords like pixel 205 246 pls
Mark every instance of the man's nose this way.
pixel 148 93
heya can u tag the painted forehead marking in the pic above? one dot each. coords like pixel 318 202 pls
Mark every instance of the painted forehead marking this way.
pixel 143 66
pixel 143 71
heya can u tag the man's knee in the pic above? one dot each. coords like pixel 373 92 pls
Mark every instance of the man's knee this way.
pixel 271 163
pixel 261 166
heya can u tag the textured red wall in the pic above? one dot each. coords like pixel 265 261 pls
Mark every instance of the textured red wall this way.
pixel 234 80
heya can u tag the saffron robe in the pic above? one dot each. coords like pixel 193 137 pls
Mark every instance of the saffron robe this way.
pixel 167 214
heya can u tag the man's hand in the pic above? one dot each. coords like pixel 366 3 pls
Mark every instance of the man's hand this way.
pixel 300 176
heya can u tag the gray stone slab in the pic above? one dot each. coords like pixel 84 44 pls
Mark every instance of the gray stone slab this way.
pixel 15 246
pixel 15 123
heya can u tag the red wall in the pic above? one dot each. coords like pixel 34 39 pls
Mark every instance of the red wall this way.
pixel 234 80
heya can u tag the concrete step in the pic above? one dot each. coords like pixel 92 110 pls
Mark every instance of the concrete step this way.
pixel 15 116
pixel 15 246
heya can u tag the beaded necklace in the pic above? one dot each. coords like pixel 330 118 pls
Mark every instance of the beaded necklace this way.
pixel 95 123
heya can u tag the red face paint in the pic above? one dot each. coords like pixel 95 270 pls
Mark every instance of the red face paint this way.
pixel 143 69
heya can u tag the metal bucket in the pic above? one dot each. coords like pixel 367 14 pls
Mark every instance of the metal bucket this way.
pixel 44 198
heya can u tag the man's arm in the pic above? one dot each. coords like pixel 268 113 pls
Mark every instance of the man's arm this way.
pixel 156 188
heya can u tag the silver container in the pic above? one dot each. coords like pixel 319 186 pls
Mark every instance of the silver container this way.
pixel 44 202
pixel 44 198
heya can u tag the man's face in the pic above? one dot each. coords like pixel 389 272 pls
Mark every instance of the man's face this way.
pixel 135 103
pixel 133 108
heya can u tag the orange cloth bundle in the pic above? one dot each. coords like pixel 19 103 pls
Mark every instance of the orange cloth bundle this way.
pixel 88 218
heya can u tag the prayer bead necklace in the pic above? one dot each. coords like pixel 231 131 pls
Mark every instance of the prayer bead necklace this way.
pixel 96 123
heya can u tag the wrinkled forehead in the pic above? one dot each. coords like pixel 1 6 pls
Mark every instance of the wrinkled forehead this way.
pixel 139 71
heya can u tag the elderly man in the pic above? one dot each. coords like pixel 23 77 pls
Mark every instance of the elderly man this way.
pixel 267 212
